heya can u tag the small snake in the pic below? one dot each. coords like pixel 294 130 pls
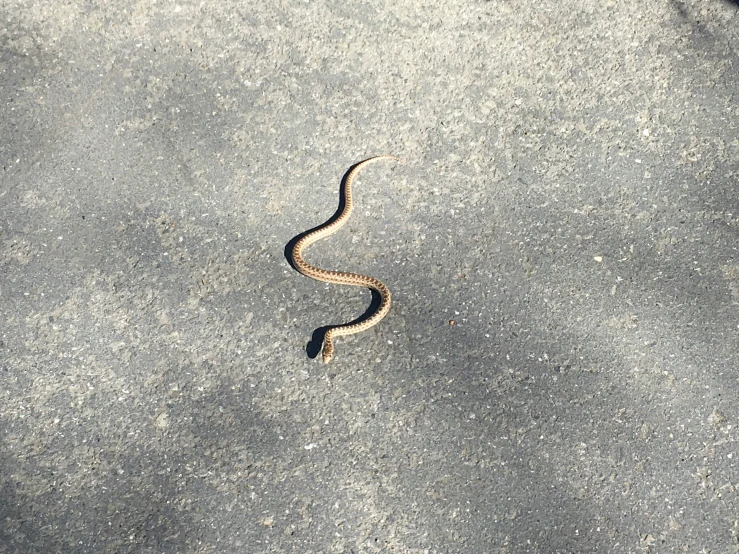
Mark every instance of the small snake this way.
pixel 341 277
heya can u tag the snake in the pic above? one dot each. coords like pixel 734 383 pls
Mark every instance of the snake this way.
pixel 343 277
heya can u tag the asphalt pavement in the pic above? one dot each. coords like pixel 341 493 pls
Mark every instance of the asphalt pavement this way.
pixel 559 371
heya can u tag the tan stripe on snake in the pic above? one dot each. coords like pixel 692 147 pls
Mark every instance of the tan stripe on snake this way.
pixel 341 277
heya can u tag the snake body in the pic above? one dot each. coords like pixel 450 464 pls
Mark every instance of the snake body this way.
pixel 341 277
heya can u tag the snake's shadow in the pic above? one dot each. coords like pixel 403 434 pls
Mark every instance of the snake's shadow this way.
pixel 313 347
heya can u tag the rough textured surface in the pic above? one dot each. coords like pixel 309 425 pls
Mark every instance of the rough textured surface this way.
pixel 569 199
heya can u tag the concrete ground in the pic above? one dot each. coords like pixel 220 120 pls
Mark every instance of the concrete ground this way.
pixel 558 372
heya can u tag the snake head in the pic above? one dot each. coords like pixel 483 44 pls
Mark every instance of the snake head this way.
pixel 328 351
pixel 327 356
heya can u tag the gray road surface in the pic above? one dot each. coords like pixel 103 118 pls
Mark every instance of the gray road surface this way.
pixel 569 199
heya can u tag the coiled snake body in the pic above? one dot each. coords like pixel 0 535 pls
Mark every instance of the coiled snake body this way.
pixel 341 277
